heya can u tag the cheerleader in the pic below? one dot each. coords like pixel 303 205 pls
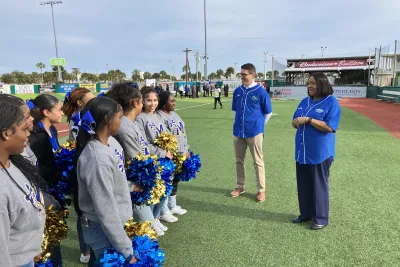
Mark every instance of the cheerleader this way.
pixel 46 111
pixel 176 126
pixel 153 126
pixel 134 140
pixel 74 102
pixel 103 195
pixel 22 211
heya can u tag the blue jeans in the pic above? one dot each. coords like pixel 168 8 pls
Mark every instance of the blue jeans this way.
pixel 96 239
pixel 143 213
pixel 29 264
pixel 158 207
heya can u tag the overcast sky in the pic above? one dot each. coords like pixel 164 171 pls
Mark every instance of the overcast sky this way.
pixel 128 34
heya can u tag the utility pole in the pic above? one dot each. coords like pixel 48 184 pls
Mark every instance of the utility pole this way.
pixel 187 62
pixel 51 3
pixel 395 62
pixel 265 65
pixel 235 67
pixel 369 67
pixel 273 76
pixel 323 49
pixel 197 65
pixel 170 60
pixel 205 41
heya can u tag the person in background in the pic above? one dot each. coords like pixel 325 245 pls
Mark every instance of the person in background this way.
pixel 226 90
pixel 74 102
pixel 46 111
pixel 217 96
pixel 316 120
pixel 103 195
pixel 167 88
pixel 22 208
pixel 252 107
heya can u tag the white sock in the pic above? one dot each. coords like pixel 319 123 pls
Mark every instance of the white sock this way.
pixel 171 202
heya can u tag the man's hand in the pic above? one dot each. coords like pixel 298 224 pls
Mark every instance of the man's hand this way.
pixel 169 155
pixel 300 121
pixel 187 154
pixel 133 260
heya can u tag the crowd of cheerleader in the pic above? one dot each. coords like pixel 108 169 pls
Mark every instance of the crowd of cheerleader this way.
pixel 120 168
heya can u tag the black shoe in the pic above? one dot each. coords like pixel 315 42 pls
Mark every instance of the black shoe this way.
pixel 317 226
pixel 221 106
pixel 299 220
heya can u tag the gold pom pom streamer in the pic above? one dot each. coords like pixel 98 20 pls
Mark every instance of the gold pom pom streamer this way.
pixel 69 145
pixel 167 141
pixel 158 191
pixel 133 229
pixel 178 160
pixel 56 229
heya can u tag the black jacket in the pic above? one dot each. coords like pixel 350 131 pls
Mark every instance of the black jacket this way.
pixel 40 144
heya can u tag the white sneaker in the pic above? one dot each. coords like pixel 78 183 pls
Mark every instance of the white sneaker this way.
pixel 178 210
pixel 160 225
pixel 85 259
pixel 158 231
pixel 168 217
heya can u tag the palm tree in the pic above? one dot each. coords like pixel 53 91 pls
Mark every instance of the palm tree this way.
pixel 136 77
pixel 147 75
pixel 163 74
pixel 34 76
pixel 76 71
pixel 120 75
pixel 103 77
pixel 212 76
pixel 41 66
pixel 260 75
pixel 229 72
pixel 220 73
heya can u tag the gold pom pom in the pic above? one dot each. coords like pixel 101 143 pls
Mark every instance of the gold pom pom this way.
pixel 167 141
pixel 133 229
pixel 56 229
pixel 69 145
pixel 158 191
pixel 178 160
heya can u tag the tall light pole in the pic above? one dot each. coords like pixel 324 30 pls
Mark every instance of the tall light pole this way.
pixel 265 65
pixel 170 76
pixel 235 67
pixel 273 75
pixel 323 49
pixel 205 41
pixel 51 3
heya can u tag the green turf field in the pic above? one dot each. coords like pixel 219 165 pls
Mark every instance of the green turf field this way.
pixel 220 231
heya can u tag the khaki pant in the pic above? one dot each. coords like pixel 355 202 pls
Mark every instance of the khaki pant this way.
pixel 256 149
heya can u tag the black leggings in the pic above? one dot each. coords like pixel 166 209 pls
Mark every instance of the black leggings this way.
pixel 174 186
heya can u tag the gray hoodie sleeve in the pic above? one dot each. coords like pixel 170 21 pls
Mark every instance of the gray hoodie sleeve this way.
pixel 5 258
pixel 132 145
pixel 106 208
pixel 142 124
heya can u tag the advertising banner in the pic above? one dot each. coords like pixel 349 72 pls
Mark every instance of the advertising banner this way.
pixel 332 63
pixel 65 88
pixel 150 82
pixel 5 89
pixel 90 86
pixel 24 89
pixel 232 85
pixel 300 92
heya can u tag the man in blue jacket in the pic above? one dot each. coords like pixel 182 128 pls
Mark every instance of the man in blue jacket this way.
pixel 252 107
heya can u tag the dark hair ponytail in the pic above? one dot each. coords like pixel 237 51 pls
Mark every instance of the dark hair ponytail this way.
pixel 163 99
pixel 71 104
pixel 41 103
pixel 124 93
pixel 102 109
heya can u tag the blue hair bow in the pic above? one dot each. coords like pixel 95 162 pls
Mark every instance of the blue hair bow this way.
pixel 30 104
pixel 66 99
pixel 101 94
pixel 88 123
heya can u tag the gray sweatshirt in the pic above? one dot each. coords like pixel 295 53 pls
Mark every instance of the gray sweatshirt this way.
pixel 152 127
pixel 103 191
pixel 134 138
pixel 176 126
pixel 29 155
pixel 21 224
